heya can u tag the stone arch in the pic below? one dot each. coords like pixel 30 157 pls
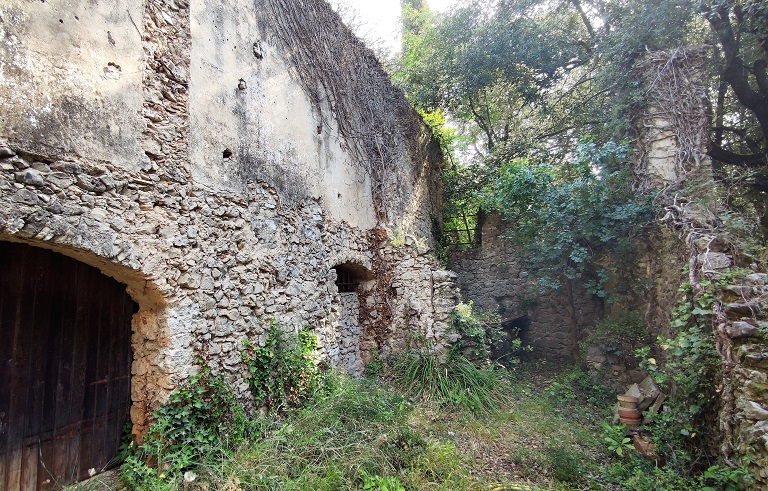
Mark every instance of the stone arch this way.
pixel 149 324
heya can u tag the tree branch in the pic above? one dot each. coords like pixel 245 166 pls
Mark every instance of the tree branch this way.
pixel 752 161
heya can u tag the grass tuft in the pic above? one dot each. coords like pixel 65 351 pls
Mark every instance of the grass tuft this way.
pixel 456 383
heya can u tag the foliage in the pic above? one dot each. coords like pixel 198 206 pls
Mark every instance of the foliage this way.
pixel 467 323
pixel 524 79
pixel 283 372
pixel 566 219
pixel 616 439
pixel 200 419
pixel 565 463
pixel 352 435
pixel 457 382
pixel 687 367
pixel 375 365
pixel 379 483
pixel 356 434
pixel 619 335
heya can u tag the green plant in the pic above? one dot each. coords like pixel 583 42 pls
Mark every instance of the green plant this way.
pixel 398 238
pixel 616 439
pixel 565 218
pixel 379 483
pixel 721 478
pixel 349 430
pixel 565 463
pixel 282 372
pixel 471 326
pixel 375 365
pixel 456 382
pixel 619 334
pixel 200 419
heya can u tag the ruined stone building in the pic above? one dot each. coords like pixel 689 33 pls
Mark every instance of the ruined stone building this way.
pixel 176 174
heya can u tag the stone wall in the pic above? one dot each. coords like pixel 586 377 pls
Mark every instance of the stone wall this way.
pixel 493 276
pixel 172 145
pixel 672 136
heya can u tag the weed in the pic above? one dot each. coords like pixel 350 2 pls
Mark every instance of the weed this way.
pixel 375 366
pixel 457 382
pixel 565 463
pixel 185 431
pixel 616 439
pixel 283 372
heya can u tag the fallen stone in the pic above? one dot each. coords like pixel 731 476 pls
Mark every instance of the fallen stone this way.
pixel 650 392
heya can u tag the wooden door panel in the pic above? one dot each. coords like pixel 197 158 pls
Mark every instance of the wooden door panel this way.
pixel 64 368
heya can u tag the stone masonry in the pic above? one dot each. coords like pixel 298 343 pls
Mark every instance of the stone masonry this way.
pixel 493 276
pixel 170 144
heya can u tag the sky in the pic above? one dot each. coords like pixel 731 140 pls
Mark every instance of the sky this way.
pixel 380 19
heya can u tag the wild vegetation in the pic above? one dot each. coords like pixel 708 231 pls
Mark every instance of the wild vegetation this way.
pixel 533 106
pixel 543 427
pixel 536 104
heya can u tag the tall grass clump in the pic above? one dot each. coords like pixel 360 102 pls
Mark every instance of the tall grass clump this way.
pixel 455 382
pixel 354 433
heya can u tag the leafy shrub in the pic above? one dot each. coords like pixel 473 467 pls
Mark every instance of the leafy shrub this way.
pixel 283 373
pixel 620 334
pixel 200 419
pixel 566 218
pixel 471 326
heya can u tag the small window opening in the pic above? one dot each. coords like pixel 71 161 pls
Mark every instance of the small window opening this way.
pixel 349 276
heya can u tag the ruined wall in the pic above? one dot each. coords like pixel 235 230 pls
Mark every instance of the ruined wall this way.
pixel 672 137
pixel 174 146
pixel 494 277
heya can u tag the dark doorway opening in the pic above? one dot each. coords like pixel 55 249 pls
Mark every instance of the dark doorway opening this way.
pixel 65 360
pixel 504 349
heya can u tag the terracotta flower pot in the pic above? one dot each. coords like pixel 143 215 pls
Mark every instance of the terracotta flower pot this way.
pixel 628 401
pixel 631 421
pixel 629 413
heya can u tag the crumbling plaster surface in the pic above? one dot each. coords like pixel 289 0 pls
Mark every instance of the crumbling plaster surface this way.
pixel 127 174
pixel 70 78
pixel 247 101
pixel 494 277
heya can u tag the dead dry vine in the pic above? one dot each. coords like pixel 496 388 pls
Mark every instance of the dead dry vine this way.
pixel 674 110
pixel 343 77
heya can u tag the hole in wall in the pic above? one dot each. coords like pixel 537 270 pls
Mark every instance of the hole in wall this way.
pixel 227 153
pixel 503 348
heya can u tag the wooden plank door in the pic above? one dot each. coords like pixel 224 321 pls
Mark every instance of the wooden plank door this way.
pixel 65 368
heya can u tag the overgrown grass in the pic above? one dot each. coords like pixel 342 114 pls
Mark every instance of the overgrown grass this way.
pixel 455 383
pixel 545 432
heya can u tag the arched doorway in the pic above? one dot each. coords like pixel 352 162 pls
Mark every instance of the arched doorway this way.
pixel 65 368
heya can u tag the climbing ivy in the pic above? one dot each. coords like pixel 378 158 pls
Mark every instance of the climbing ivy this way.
pixel 283 371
